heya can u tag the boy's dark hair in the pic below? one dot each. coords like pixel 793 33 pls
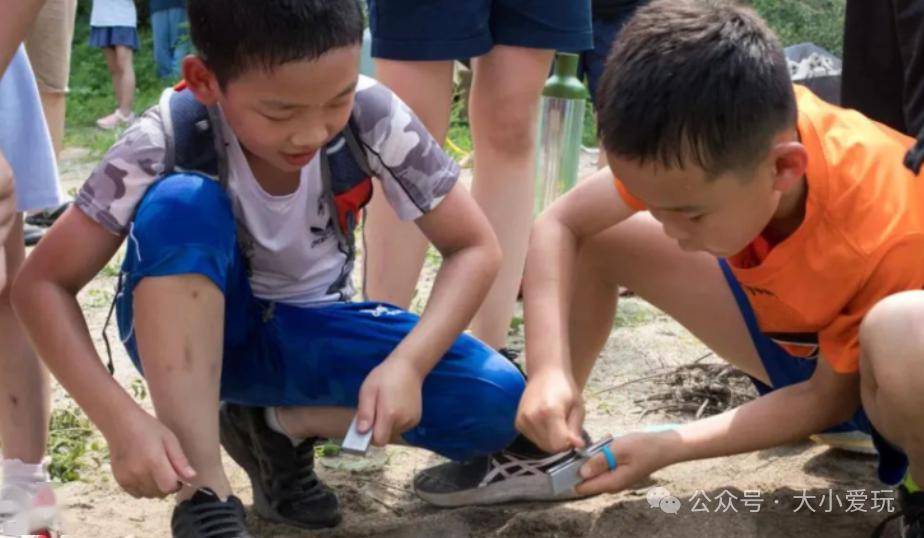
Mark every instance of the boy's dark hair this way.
pixel 701 81
pixel 233 36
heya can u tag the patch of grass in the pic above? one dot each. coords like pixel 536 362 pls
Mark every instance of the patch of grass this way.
pixel 328 449
pixel 71 445
pixel 459 136
pixel 589 136
pixel 516 325
pixel 139 389
pixel 98 298
pixel 798 21
pixel 634 312
pixel 112 269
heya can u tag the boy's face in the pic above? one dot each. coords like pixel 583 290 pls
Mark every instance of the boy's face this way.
pixel 720 215
pixel 284 116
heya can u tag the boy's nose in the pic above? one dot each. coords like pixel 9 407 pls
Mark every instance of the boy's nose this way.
pixel 675 232
pixel 309 138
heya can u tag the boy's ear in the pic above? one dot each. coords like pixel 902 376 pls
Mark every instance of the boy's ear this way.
pixel 201 80
pixel 790 161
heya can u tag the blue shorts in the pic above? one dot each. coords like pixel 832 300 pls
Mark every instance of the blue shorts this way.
pixel 277 354
pixel 785 369
pixel 433 30
pixel 605 33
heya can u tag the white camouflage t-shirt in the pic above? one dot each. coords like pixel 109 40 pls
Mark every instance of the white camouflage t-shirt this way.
pixel 289 240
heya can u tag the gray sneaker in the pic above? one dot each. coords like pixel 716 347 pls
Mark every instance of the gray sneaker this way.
pixel 510 475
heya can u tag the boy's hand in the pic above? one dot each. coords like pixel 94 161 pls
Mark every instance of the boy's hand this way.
pixel 637 456
pixel 551 412
pixel 7 212
pixel 147 460
pixel 389 400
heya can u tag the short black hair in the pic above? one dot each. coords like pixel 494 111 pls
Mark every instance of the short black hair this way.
pixel 234 36
pixel 701 81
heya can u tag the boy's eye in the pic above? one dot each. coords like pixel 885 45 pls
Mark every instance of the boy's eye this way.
pixel 696 218
pixel 343 101
pixel 276 117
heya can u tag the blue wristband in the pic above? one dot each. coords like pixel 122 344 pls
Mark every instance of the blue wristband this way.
pixel 610 458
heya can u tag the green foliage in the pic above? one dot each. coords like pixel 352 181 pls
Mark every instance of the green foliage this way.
pixel 516 325
pixel 798 21
pixel 71 445
pixel 139 389
pixel 329 449
pixel 459 135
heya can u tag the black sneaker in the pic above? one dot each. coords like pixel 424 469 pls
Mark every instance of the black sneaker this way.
pixel 512 355
pixel 285 487
pixel 517 473
pixel 910 515
pixel 44 219
pixel 205 515
pixel 32 234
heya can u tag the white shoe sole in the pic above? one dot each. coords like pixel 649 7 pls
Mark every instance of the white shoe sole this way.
pixel 516 489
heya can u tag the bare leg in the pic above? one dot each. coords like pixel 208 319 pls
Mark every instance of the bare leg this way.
pixel 24 389
pixel 394 249
pixel 638 254
pixel 179 326
pixel 114 72
pixel 504 107
pixel 304 422
pixel 126 80
pixel 892 373
pixel 54 104
pixel 327 422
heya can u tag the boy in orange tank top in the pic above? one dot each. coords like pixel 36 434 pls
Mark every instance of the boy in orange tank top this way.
pixel 784 232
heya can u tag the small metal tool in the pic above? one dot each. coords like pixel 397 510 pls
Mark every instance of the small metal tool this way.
pixel 566 474
pixel 355 442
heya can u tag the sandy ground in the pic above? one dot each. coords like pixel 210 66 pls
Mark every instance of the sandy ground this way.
pixel 800 490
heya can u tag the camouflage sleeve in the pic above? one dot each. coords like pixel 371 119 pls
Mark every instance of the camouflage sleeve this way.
pixel 413 170
pixel 116 186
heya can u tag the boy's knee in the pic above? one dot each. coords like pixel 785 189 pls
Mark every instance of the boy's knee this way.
pixel 495 401
pixel 183 206
pixel 894 328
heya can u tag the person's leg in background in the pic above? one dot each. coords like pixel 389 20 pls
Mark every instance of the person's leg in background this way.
pixel 23 379
pixel 113 65
pixel 119 62
pixel 394 250
pixel 163 50
pixel 504 104
pixel 126 95
pixel 49 49
pixel 179 39
pixel 504 109
pixel 28 181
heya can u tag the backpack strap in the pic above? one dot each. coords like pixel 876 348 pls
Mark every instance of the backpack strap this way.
pixel 191 139
pixel 351 133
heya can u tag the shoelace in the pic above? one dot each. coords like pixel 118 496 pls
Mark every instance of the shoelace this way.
pixel 218 519
pixel 518 467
